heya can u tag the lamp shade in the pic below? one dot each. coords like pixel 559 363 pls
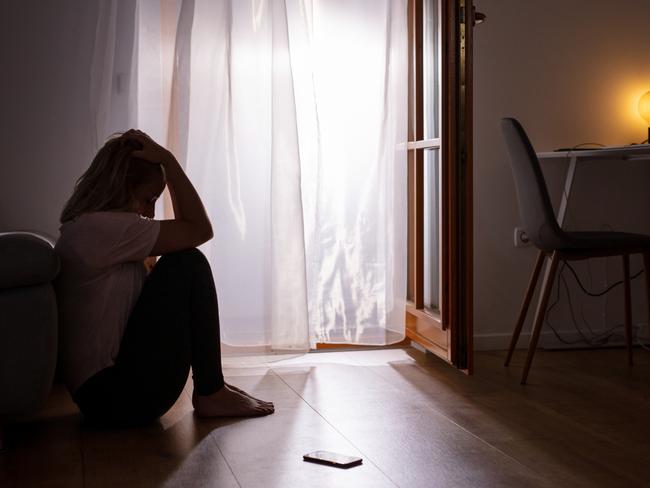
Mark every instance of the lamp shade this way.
pixel 644 107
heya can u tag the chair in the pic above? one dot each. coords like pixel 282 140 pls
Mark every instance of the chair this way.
pixel 543 230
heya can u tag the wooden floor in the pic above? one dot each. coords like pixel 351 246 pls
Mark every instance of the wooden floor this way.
pixel 583 421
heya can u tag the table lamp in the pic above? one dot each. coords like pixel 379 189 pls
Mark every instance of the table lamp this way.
pixel 644 110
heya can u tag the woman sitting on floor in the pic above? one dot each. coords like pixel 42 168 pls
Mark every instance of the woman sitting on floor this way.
pixel 128 339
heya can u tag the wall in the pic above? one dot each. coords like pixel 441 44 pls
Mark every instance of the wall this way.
pixel 48 131
pixel 571 72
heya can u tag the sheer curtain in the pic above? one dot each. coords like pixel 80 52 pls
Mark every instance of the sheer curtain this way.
pixel 290 118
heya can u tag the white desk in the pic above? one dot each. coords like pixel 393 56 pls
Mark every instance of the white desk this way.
pixel 624 153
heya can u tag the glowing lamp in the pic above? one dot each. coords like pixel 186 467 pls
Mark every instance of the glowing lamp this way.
pixel 644 110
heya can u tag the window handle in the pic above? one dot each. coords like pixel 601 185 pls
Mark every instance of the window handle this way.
pixel 479 17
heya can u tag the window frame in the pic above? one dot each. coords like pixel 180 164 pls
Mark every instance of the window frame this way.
pixel 447 332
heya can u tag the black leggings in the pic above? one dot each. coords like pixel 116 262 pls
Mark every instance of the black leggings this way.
pixel 174 324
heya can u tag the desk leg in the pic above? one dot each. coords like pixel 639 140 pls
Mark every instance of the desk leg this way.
pixel 568 183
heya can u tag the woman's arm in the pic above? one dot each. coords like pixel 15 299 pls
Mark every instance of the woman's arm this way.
pixel 191 225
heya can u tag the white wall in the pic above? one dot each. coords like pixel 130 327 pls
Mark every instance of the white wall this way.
pixel 48 131
pixel 46 48
pixel 571 72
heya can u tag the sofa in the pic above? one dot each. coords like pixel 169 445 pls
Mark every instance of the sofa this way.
pixel 28 322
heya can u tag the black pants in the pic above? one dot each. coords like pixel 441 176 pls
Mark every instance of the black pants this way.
pixel 174 324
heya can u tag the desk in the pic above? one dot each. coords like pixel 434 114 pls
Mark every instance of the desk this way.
pixel 624 153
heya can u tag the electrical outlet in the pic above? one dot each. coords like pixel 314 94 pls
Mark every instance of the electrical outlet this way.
pixel 521 239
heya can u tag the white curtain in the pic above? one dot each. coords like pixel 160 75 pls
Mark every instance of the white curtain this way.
pixel 290 118
pixel 113 81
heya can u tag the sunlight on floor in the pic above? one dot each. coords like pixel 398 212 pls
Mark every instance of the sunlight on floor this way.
pixel 374 357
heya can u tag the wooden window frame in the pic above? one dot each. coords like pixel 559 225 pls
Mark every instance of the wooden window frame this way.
pixel 447 334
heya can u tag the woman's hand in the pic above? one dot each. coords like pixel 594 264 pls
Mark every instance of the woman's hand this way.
pixel 149 263
pixel 151 151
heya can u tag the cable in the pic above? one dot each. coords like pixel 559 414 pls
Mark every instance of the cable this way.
pixel 596 339
pixel 548 312
pixel 606 290
pixel 645 339
pixel 578 146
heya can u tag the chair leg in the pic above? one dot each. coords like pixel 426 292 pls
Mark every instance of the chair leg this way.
pixel 646 267
pixel 525 304
pixel 547 286
pixel 628 306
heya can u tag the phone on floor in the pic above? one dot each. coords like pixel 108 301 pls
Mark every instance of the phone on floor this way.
pixel 332 459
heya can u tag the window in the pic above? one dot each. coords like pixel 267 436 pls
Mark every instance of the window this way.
pixel 439 180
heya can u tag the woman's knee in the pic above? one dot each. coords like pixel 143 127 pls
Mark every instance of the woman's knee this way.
pixel 187 258
pixel 180 270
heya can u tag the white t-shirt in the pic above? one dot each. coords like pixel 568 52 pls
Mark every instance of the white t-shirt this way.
pixel 102 274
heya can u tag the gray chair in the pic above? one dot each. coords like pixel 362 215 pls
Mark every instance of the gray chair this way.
pixel 28 322
pixel 543 230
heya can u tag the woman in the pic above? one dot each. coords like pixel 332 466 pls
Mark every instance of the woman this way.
pixel 128 339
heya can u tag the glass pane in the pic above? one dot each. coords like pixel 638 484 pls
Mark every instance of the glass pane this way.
pixel 410 292
pixel 432 229
pixel 430 67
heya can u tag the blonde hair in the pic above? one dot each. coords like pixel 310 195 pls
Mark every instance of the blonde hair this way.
pixel 110 181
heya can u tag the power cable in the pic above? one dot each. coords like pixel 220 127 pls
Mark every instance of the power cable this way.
pixel 597 338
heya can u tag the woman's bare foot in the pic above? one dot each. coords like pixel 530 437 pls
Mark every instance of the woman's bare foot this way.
pixel 238 390
pixel 228 402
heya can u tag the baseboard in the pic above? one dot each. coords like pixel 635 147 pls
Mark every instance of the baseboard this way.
pixel 547 340
pixel 493 342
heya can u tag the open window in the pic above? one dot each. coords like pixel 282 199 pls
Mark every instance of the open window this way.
pixel 439 310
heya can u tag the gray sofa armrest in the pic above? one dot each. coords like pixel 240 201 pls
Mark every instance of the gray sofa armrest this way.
pixel 26 259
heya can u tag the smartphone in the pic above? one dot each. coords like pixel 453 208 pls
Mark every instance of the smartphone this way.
pixel 332 459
